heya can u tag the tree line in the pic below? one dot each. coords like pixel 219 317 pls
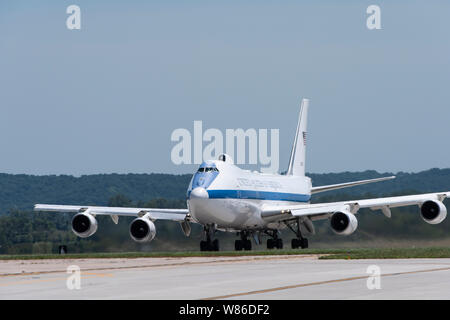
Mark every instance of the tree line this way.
pixel 25 231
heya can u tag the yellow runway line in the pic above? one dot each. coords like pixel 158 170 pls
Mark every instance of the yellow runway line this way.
pixel 318 283
pixel 83 274
pixel 176 264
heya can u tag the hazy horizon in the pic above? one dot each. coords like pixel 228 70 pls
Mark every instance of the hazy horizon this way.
pixel 188 173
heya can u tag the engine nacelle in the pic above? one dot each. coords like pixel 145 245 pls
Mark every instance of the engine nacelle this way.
pixel 433 212
pixel 142 230
pixel 84 224
pixel 344 223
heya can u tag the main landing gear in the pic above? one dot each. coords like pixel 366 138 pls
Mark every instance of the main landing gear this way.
pixel 208 244
pixel 274 241
pixel 243 243
pixel 298 242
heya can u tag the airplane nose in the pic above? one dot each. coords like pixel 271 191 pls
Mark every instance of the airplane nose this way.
pixel 199 193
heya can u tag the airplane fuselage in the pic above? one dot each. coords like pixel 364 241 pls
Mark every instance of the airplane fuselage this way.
pixel 231 198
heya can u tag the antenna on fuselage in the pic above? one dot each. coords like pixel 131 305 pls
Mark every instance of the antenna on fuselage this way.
pixel 225 158
pixel 298 152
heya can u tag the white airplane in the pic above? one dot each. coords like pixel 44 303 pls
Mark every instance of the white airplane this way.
pixel 223 197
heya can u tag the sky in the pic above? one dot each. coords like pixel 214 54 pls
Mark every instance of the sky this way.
pixel 106 98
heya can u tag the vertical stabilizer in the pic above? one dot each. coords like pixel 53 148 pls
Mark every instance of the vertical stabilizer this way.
pixel 297 160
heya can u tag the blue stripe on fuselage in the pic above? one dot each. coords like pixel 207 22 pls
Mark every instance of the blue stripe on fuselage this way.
pixel 258 195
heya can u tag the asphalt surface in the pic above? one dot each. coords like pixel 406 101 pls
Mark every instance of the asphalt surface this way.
pixel 255 277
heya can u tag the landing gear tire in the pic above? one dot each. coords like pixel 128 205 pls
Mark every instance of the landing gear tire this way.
pixel 304 243
pixel 204 246
pixel 279 243
pixel 275 243
pixel 215 245
pixel 209 245
pixel 299 243
pixel 238 245
pixel 247 245
pixel 242 245
pixel 270 243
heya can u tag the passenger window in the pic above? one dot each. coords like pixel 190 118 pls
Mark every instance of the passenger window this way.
pixel 208 169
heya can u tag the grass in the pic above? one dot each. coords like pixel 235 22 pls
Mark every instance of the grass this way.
pixel 391 253
pixel 357 253
pixel 168 254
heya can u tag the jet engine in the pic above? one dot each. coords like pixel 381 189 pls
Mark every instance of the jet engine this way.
pixel 433 212
pixel 344 223
pixel 142 229
pixel 84 224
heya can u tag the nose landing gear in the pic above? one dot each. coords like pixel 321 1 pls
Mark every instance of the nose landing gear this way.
pixel 208 244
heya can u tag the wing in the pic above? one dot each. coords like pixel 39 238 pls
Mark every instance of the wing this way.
pixel 155 214
pixel 324 210
pixel 348 184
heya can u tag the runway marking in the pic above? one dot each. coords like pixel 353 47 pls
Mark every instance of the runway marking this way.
pixel 318 283
pixel 83 274
pixel 251 258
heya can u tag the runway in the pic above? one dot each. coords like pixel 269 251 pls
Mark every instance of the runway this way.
pixel 245 277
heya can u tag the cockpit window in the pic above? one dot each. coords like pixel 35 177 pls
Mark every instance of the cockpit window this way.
pixel 201 169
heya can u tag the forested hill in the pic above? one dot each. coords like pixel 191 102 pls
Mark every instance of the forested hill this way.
pixel 432 180
pixel 22 191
